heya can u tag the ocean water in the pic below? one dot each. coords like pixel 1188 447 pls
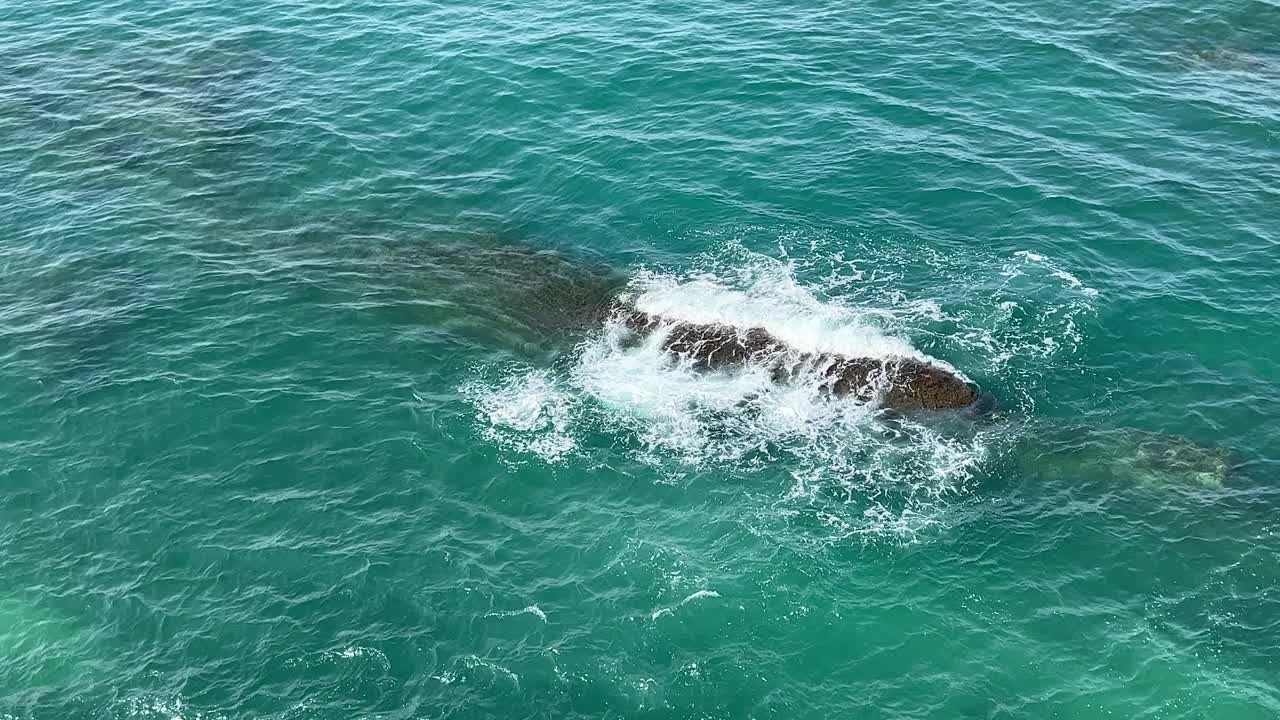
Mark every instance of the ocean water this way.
pixel 309 408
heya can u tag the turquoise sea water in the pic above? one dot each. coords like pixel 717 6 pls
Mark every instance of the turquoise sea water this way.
pixel 304 412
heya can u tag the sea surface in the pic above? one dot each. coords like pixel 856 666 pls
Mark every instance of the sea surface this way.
pixel 312 406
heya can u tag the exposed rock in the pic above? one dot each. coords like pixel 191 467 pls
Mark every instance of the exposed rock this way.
pixel 902 383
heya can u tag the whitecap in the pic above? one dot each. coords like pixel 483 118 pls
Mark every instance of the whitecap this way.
pixel 692 597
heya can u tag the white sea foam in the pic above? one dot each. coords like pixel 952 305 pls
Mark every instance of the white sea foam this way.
pixel 530 610
pixel 527 412
pixel 162 707
pixel 474 662
pixel 1054 270
pixel 852 471
pixel 692 597
pixel 774 301
pixel 358 652
pixel 742 418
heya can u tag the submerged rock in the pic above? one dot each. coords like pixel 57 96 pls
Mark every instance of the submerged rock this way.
pixel 1140 457
pixel 901 383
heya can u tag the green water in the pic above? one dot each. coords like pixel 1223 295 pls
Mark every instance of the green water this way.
pixel 304 412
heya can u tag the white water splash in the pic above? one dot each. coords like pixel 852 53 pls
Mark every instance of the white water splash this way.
pixel 774 301
pixel 853 471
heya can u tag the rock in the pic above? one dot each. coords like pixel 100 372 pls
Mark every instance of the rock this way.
pixel 902 383
pixel 1127 455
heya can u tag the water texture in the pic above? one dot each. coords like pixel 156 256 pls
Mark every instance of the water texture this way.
pixel 311 406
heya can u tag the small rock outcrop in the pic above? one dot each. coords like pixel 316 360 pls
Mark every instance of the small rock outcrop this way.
pixel 903 383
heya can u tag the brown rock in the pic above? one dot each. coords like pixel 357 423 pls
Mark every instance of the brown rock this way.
pixel 908 383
